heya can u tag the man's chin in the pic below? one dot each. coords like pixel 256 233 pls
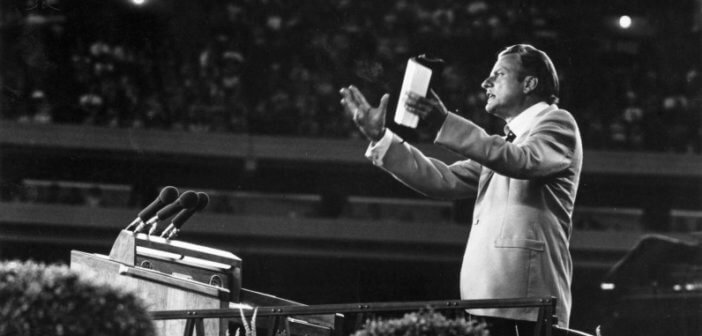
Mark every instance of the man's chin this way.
pixel 492 110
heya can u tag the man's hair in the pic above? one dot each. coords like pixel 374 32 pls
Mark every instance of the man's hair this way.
pixel 536 63
pixel 40 300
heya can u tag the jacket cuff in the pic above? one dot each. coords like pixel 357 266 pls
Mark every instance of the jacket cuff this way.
pixel 376 150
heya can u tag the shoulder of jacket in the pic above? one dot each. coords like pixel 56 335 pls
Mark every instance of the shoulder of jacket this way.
pixel 557 113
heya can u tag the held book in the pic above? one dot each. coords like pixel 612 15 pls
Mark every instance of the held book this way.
pixel 417 79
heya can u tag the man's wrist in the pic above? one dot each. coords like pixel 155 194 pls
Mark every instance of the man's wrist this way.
pixel 379 135
pixel 435 121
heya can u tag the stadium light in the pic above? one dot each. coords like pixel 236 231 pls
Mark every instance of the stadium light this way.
pixel 625 22
pixel 138 2
pixel 606 286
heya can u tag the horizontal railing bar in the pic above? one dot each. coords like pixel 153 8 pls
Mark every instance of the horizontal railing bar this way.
pixel 354 308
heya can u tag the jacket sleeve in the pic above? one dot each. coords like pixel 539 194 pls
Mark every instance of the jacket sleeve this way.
pixel 546 150
pixel 427 175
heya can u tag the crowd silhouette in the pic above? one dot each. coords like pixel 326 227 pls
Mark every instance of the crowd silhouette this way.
pixel 274 67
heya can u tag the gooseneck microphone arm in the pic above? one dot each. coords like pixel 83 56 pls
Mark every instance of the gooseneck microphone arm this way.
pixel 172 230
pixel 186 201
pixel 166 196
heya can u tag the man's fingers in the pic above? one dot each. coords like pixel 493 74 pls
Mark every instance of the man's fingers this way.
pixel 384 102
pixel 349 101
pixel 417 99
pixel 347 106
pixel 359 97
pixel 417 104
pixel 434 95
pixel 356 104
pixel 437 101
pixel 346 94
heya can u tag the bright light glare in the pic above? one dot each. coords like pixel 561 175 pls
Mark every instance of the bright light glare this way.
pixel 138 2
pixel 606 286
pixel 625 21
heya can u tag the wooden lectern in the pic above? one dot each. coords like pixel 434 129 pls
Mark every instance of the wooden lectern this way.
pixel 168 275
pixel 172 275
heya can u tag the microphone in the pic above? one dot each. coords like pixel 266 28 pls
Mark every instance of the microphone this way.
pixel 172 230
pixel 186 200
pixel 167 195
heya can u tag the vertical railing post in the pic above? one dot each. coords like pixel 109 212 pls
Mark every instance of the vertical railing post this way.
pixel 195 324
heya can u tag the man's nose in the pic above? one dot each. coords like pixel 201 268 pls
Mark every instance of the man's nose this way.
pixel 486 83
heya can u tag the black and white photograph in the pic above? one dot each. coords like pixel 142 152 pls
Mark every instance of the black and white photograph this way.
pixel 350 168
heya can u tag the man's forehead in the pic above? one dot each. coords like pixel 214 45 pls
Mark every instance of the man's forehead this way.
pixel 508 62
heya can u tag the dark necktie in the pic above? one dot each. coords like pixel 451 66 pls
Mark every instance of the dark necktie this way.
pixel 510 136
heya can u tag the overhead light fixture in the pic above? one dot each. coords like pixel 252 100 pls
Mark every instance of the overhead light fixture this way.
pixel 625 22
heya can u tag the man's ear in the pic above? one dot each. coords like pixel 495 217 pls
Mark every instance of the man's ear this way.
pixel 530 83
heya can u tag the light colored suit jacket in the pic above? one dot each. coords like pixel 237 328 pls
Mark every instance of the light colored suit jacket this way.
pixel 525 193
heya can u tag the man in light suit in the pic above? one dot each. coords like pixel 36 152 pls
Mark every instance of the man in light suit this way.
pixel 525 183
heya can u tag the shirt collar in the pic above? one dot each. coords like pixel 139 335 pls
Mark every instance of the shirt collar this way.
pixel 520 124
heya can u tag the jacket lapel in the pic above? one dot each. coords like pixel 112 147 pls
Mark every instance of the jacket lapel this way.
pixel 485 176
pixel 487 173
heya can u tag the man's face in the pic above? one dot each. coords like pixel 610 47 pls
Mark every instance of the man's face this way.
pixel 504 90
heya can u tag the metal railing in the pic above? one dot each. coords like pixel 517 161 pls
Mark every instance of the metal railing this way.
pixel 194 318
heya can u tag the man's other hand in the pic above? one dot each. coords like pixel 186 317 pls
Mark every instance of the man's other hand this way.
pixel 425 107
pixel 370 120
pixel 431 110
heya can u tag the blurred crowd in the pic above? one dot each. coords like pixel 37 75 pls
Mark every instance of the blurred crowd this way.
pixel 274 67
